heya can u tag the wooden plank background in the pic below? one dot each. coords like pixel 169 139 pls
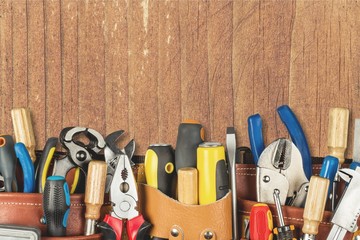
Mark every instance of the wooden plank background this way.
pixel 144 66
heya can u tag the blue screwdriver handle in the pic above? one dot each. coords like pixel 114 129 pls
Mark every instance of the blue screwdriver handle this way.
pixel 329 169
pixel 255 136
pixel 27 167
pixel 297 136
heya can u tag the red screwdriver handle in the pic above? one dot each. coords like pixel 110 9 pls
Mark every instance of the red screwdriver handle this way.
pixel 111 228
pixel 137 228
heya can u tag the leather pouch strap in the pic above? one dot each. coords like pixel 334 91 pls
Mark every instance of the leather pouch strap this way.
pixel 192 221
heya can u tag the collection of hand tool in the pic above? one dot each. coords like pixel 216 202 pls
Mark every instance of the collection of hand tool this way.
pixel 284 177
pixel 197 172
pixel 198 168
pixel 97 165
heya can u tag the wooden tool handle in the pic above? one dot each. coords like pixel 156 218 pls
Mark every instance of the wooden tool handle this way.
pixel 95 189
pixel 338 132
pixel 188 186
pixel 315 204
pixel 23 129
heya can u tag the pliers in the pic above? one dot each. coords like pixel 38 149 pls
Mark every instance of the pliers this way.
pixel 294 128
pixel 123 194
pixel 79 151
pixel 280 167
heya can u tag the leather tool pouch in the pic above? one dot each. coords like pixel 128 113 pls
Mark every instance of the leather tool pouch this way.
pixel 246 193
pixel 174 220
pixel 26 209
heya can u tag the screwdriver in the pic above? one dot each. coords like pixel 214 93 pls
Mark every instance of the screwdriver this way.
pixel 316 197
pixel 283 232
pixel 337 141
pixel 190 135
pixel 94 194
pixel 261 222
pixel 56 205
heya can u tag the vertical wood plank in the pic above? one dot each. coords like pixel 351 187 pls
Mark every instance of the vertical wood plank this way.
pixel 6 66
pixel 69 62
pixel 116 66
pixel 169 80
pixel 91 65
pixel 53 68
pixel 143 72
pixel 324 72
pixel 20 53
pixel 36 68
pixel 261 55
pixel 194 63
pixel 219 68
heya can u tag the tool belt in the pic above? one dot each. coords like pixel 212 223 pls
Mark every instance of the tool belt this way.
pixel 246 193
pixel 25 209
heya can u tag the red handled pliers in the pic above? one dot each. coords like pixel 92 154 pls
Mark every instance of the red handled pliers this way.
pixel 123 195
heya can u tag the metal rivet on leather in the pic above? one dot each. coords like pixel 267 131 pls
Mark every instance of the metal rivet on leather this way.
pixel 208 235
pixel 174 232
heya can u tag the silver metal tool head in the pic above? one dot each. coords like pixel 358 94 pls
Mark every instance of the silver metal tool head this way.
pixel 280 167
pixel 80 151
pixel 348 209
pixel 123 190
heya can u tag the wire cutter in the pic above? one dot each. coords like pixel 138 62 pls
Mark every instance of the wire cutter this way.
pixel 293 126
pixel 123 194
pixel 79 151
pixel 280 167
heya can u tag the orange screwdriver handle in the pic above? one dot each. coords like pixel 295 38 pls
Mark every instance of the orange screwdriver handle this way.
pixel 261 222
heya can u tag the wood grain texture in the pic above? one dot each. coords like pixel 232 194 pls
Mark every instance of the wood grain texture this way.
pixel 261 55
pixel 194 63
pixel 221 102
pixel 143 36
pixel 6 64
pixel 36 90
pixel 20 52
pixel 169 75
pixel 53 117
pixel 144 66
pixel 116 66
pixel 91 62
pixel 69 63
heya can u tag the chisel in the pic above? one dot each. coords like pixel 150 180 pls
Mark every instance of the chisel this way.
pixel 356 148
pixel 94 194
pixel 231 153
pixel 316 197
pixel 337 141
pixel 23 129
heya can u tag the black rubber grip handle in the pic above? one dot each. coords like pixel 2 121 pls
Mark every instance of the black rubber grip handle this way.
pixel 222 180
pixel 190 135
pixel 8 163
pixel 56 204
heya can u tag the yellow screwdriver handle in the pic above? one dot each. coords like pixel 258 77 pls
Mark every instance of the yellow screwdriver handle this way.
pixel 338 132
pixel 315 204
